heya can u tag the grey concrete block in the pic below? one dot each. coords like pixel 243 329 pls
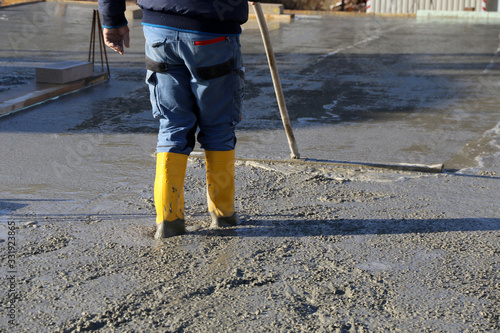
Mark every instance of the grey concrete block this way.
pixel 133 13
pixel 64 72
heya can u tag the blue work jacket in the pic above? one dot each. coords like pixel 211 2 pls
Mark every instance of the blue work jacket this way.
pixel 208 16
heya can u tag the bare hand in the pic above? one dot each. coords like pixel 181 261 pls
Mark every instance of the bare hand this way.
pixel 117 37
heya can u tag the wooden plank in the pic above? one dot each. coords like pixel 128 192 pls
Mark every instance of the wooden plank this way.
pixel 273 17
pixel 272 8
pixel 266 39
pixel 8 3
pixel 24 97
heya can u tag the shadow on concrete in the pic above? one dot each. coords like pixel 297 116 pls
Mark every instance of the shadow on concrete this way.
pixel 8 206
pixel 453 172
pixel 289 227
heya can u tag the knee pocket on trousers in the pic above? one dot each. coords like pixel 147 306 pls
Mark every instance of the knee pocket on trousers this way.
pixel 152 82
pixel 239 95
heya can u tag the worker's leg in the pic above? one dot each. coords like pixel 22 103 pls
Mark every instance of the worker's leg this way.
pixel 220 187
pixel 169 194
pixel 218 84
pixel 173 104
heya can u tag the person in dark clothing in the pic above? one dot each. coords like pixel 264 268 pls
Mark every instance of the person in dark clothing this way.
pixel 195 75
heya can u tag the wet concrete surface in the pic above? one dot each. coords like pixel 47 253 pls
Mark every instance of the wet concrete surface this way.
pixel 319 248
pixel 357 89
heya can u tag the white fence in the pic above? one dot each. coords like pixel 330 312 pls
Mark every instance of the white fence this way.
pixel 411 6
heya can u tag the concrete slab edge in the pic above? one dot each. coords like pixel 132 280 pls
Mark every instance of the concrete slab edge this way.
pixel 459 14
pixel 335 13
pixel 40 96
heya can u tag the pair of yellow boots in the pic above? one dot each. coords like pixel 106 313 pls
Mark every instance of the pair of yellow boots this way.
pixel 169 191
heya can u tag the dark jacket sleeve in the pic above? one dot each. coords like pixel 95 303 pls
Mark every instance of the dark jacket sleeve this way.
pixel 113 13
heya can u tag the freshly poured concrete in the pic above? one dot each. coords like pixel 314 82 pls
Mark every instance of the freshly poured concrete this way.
pixel 319 249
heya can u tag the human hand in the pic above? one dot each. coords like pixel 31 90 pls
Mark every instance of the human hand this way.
pixel 117 37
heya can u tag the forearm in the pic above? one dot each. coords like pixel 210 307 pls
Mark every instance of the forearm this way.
pixel 113 13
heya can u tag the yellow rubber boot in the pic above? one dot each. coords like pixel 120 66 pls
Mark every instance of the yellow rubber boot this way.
pixel 169 194
pixel 220 187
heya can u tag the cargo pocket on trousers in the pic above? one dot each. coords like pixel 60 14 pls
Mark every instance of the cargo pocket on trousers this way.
pixel 239 94
pixel 152 82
